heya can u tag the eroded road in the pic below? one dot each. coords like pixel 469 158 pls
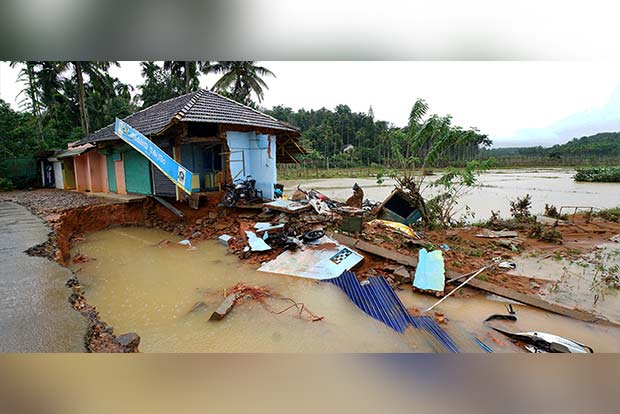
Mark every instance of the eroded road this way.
pixel 34 313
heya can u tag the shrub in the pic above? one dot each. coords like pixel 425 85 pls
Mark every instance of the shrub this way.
pixel 612 214
pixel 6 184
pixel 520 208
pixel 540 232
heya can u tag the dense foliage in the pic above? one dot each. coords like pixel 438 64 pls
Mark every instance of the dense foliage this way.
pixel 61 102
pixel 600 174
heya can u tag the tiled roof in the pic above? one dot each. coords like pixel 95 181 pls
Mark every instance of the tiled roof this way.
pixel 199 106
pixel 211 107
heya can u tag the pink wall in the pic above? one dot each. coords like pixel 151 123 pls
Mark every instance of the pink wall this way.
pixel 98 172
pixel 82 176
pixel 91 173
pixel 119 170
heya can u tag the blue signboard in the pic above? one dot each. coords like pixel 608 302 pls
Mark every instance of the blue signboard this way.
pixel 178 174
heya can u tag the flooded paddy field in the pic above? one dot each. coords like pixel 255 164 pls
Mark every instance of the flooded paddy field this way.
pixel 546 186
pixel 139 286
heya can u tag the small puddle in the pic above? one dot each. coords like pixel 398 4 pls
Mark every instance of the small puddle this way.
pixel 140 287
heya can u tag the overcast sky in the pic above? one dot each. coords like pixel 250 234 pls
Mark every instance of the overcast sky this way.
pixel 515 103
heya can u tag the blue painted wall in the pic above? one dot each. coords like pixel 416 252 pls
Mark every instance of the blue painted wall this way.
pixel 259 152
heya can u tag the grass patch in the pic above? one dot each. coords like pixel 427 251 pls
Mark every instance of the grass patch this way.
pixel 611 214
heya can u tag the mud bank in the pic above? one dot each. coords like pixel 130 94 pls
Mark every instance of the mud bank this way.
pixel 99 336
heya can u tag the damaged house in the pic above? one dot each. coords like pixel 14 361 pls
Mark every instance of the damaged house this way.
pixel 216 138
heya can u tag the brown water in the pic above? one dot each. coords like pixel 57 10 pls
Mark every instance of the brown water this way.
pixel 573 283
pixel 140 287
pixel 546 186
pixel 149 290
pixel 466 315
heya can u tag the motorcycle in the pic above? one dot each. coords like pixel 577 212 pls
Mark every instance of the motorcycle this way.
pixel 291 240
pixel 243 190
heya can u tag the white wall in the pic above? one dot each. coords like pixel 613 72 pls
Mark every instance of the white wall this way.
pixel 259 153
pixel 59 182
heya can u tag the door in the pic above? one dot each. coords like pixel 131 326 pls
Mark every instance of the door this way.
pixel 137 173
pixel 58 174
pixel 111 173
pixel 68 173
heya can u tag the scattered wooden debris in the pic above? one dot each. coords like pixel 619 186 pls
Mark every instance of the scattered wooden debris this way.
pixel 497 234
pixel 376 250
pixel 224 307
pixel 241 292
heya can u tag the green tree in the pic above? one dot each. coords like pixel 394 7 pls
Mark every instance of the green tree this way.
pixel 32 100
pixel 186 72
pixel 95 70
pixel 240 79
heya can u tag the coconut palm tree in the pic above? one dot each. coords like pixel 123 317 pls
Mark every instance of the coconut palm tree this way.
pixel 188 71
pixel 32 101
pixel 94 70
pixel 240 79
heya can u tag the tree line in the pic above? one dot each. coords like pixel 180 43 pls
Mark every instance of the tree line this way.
pixel 61 102
pixel 343 138
pixel 601 145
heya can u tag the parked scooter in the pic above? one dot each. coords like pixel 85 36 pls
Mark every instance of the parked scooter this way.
pixel 242 191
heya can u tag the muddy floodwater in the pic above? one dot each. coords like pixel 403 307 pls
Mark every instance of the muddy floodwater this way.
pixel 546 186
pixel 140 287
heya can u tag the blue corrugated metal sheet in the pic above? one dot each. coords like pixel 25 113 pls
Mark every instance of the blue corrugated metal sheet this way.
pixel 378 299
pixel 482 345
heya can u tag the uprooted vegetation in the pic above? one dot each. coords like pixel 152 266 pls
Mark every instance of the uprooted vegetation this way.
pixel 606 275
pixel 545 233
pixel 427 144
pixel 520 208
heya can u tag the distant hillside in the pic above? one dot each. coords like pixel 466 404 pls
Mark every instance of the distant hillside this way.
pixel 601 145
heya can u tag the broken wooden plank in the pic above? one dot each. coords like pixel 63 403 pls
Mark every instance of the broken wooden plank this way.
pixel 224 307
pixel 376 250
pixel 534 301
pixel 169 206
pixel 497 234
pixel 287 206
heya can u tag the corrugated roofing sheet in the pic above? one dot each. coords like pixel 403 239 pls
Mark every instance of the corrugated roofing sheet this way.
pixel 377 299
